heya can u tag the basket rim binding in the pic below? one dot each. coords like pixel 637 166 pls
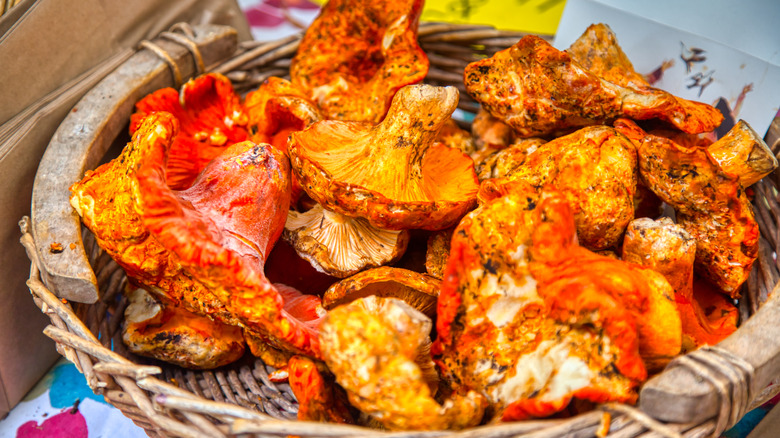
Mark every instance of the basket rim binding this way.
pixel 164 408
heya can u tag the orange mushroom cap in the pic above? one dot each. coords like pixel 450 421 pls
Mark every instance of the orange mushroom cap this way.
pixel 595 169
pixel 379 351
pixel 644 294
pixel 490 133
pixel 706 314
pixel 356 55
pixel 709 203
pixel 106 199
pixel 211 118
pixel 275 110
pixel 278 107
pixel 532 320
pixel 394 174
pixel 174 335
pixel 415 289
pixel 539 90
pixel 598 51
pixel 222 229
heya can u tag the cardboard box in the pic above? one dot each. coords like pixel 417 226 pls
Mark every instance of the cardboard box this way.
pixel 52 52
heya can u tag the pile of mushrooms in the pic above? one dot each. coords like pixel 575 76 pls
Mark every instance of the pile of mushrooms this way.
pixel 403 273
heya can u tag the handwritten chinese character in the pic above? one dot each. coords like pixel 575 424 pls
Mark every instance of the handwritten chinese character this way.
pixel 701 80
pixel 691 55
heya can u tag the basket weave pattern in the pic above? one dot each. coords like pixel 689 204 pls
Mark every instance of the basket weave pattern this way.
pixel 240 399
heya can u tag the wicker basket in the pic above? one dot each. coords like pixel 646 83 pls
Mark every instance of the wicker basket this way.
pixel 241 400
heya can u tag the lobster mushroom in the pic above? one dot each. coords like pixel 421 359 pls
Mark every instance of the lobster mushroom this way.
pixel 211 118
pixel 355 56
pixel 379 351
pixel 393 174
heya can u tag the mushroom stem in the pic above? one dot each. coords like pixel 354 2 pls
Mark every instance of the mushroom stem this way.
pixel 411 107
pixel 412 124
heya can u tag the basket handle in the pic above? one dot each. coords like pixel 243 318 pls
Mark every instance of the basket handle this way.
pixel 719 382
pixel 84 137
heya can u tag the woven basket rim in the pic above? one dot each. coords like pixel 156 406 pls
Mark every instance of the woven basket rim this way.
pixel 162 408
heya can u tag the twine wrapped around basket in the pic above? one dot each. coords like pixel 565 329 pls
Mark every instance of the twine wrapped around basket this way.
pixel 718 383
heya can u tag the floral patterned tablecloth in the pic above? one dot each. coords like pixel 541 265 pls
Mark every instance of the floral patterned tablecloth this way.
pixel 61 405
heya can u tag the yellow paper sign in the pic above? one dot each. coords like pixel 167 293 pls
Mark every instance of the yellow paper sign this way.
pixel 532 16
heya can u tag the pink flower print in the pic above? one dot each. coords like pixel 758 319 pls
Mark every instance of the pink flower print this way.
pixel 69 424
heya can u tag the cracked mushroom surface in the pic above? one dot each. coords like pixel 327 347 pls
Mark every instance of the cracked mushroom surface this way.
pixel 340 245
pixel 356 55
pixel 539 90
pixel 222 228
pixel 174 335
pixel 106 201
pixel 596 169
pixel 533 320
pixel 394 174
pixel 706 314
pixel 415 289
pixel 719 217
pixel 379 351
pixel 505 162
pixel 319 399
pixel 437 251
